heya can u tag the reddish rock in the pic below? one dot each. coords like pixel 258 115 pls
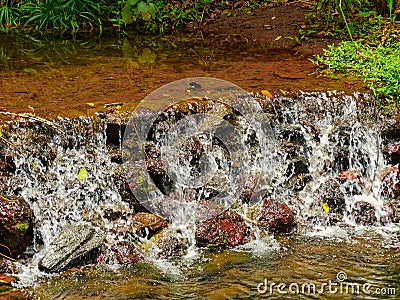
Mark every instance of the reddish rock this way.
pixel 390 178
pixel 276 217
pixel 126 253
pixel 225 229
pixel 350 175
pixel 364 213
pixel 171 246
pixel 121 252
pixel 16 230
pixel 392 210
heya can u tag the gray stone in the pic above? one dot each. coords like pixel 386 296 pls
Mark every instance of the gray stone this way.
pixel 76 243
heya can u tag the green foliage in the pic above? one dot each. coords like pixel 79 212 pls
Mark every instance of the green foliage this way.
pixel 23 227
pixel 8 14
pixel 378 65
pixel 62 14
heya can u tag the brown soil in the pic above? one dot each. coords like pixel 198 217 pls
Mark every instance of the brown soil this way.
pixel 257 54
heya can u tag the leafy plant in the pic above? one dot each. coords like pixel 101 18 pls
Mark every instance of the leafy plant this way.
pixel 62 14
pixel 8 14
pixel 378 65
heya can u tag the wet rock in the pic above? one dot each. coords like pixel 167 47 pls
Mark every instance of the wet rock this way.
pixel 364 213
pixel 146 224
pixel 16 224
pixel 392 210
pixel 391 127
pixel 75 244
pixel 330 193
pixel 7 164
pixel 276 217
pixel 122 252
pixel 226 229
pixel 171 246
pixel 115 133
pixel 392 153
pixel 351 182
pixel 390 181
pixel 10 293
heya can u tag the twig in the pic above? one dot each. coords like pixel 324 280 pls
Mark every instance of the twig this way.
pixel 2 139
pixel 35 118
pixel 9 251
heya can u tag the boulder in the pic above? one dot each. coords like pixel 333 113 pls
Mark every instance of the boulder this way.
pixel 276 217
pixel 364 213
pixel 16 224
pixel 226 229
pixel 75 244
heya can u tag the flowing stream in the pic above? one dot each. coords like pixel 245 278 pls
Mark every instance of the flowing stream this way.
pixel 69 172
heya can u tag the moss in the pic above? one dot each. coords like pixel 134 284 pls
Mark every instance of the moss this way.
pixel 22 227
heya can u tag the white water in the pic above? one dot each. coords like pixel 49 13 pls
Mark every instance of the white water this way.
pixel 59 194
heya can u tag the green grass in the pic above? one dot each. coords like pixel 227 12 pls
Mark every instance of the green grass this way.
pixel 378 65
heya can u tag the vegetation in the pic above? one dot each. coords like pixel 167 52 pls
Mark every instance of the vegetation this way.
pixel 85 15
pixel 370 47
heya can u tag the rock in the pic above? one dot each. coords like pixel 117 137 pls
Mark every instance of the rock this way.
pixel 7 164
pixel 16 224
pixel 364 213
pixel 75 244
pixel 171 246
pixel 390 181
pixel 226 229
pixel 329 192
pixel 392 210
pixel 276 217
pixel 146 224
pixel 392 153
pixel 351 182
pixel 125 253
pixel 391 127
pixel 115 133
pixel 9 293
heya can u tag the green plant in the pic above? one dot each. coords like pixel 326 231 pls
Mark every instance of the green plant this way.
pixel 8 14
pixel 378 65
pixel 62 14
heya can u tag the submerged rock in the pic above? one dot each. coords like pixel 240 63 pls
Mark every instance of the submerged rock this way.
pixel 227 229
pixel 75 244
pixel 16 224
pixel 330 193
pixel 125 253
pixel 364 213
pixel 276 217
pixel 171 246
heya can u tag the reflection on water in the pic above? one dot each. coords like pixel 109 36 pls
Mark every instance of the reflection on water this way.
pixel 16 50
pixel 371 265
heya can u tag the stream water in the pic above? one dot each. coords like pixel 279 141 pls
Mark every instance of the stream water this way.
pixel 67 172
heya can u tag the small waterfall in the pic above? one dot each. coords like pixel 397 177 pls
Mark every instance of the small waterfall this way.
pixel 315 143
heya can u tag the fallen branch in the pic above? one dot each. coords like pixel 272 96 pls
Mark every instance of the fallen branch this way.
pixel 32 117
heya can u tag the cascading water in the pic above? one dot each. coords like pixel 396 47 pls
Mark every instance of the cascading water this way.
pixel 323 143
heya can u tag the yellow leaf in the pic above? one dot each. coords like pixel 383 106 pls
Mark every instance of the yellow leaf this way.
pixel 91 104
pixel 325 206
pixel 278 38
pixel 82 174
pixel 1 134
pixel 267 93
